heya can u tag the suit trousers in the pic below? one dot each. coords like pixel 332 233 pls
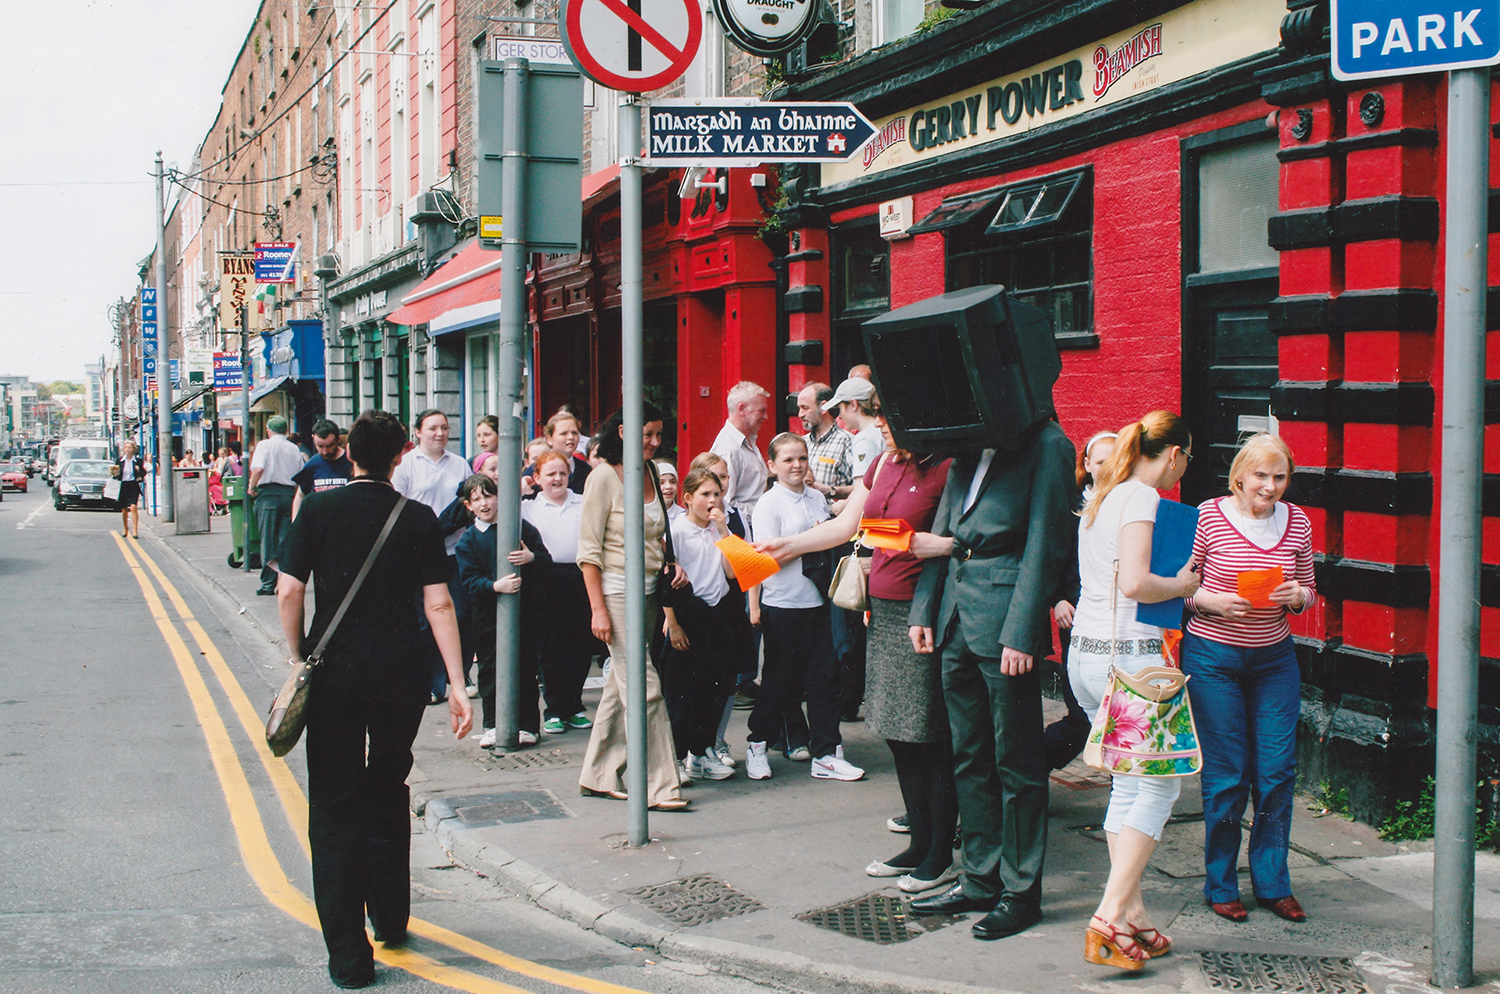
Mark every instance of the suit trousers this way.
pixel 359 820
pixel 604 761
pixel 999 770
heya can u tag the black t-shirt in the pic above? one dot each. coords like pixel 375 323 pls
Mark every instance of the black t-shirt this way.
pixel 378 650
pixel 318 474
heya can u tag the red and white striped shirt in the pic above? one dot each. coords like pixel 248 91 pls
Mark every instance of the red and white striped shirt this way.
pixel 1225 553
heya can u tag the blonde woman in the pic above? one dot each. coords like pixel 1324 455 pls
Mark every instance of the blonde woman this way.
pixel 130 470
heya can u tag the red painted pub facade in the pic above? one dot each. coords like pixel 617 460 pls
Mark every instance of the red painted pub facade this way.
pixel 1218 227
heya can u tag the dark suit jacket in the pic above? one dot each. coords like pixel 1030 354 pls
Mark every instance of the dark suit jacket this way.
pixel 1019 531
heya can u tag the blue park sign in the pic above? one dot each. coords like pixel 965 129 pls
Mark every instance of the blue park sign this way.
pixel 1374 38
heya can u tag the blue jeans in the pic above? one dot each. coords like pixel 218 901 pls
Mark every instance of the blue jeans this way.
pixel 1245 703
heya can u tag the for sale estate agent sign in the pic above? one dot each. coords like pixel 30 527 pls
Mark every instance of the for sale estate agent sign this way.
pixel 1180 44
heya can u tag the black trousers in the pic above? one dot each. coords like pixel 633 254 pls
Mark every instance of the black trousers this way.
pixel 528 717
pixel 565 641
pixel 359 819
pixel 696 681
pixel 799 656
pixel 999 770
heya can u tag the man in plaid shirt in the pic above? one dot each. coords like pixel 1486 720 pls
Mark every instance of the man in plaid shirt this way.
pixel 827 444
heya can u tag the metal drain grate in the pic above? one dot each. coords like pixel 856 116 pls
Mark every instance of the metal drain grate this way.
pixel 509 808
pixel 533 760
pixel 879 918
pixel 1270 972
pixel 695 900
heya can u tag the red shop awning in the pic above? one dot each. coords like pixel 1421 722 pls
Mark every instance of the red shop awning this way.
pixel 470 278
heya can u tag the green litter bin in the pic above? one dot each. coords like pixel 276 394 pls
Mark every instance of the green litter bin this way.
pixel 234 495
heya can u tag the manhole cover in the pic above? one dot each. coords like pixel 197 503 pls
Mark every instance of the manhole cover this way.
pixel 500 809
pixel 1270 972
pixel 881 918
pixel 535 760
pixel 695 900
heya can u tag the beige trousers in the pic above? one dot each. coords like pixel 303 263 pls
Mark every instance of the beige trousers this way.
pixel 604 762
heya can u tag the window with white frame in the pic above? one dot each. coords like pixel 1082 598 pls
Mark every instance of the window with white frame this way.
pixel 894 19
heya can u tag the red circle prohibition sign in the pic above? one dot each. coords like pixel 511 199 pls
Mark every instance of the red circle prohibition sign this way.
pixel 626 12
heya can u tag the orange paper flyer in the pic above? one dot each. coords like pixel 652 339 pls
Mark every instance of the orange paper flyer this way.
pixel 886 533
pixel 1256 585
pixel 750 566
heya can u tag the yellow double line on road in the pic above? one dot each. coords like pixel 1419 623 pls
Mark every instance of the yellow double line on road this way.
pixel 261 861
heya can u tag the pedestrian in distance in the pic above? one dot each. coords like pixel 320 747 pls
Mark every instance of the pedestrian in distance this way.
pixel 1115 532
pixel 904 691
pixel 736 445
pixel 796 628
pixel 697 661
pixel 368 693
pixel 562 604
pixel 562 433
pixel 667 473
pixel 273 465
pixel 602 560
pixel 477 567
pixel 130 470
pixel 329 467
pixel 1246 686
pixel 486 437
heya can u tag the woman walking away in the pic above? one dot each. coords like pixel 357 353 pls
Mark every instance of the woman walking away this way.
pixel 562 603
pixel 130 470
pixel 1245 684
pixel 698 667
pixel 602 560
pixel 368 694
pixel 1114 572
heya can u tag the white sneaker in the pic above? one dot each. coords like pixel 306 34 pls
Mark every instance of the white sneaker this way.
pixel 721 749
pixel 835 767
pixel 798 754
pixel 757 766
pixel 526 738
pixel 487 740
pixel 472 690
pixel 685 771
pixel 708 767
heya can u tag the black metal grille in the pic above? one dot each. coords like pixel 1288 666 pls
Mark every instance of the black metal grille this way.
pixel 505 809
pixel 1272 972
pixel 541 759
pixel 695 900
pixel 879 918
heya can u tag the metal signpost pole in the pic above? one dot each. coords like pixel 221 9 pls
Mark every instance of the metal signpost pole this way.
pixel 1465 262
pixel 513 323
pixel 632 389
pixel 245 432
pixel 163 356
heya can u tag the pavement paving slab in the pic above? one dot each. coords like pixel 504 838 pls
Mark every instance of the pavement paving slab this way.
pixel 730 883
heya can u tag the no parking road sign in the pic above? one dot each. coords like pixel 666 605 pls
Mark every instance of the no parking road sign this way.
pixel 631 45
pixel 1372 38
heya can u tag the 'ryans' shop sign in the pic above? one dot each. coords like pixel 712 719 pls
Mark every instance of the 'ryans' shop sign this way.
pixel 1182 43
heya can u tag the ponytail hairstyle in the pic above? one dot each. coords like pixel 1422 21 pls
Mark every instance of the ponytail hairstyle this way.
pixel 1142 441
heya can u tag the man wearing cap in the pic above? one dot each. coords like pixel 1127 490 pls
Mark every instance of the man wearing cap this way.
pixel 851 402
pixel 736 445
pixel 272 466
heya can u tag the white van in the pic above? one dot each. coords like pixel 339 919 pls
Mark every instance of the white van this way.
pixel 77 448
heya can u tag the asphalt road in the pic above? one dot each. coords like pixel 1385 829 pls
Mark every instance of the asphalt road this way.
pixel 135 858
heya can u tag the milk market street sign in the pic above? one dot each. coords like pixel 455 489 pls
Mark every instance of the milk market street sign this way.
pixel 747 132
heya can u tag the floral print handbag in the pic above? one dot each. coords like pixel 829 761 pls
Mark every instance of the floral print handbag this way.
pixel 1144 726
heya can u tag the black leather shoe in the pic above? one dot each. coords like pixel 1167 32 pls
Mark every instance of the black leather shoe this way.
pixel 1008 918
pixel 952 901
pixel 353 981
pixel 265 591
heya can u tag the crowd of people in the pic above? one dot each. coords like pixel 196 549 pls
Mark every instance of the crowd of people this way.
pixel 1006 546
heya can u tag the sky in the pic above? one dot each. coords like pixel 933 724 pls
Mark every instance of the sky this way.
pixel 88 94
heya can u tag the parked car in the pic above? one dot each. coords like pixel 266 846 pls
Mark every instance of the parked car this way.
pixel 81 484
pixel 75 448
pixel 13 476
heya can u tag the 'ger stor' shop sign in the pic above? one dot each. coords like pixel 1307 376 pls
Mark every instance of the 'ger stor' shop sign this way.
pixel 746 132
pixel 1181 43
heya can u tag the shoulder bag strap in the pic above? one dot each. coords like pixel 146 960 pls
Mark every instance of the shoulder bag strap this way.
pixel 364 571
pixel 666 519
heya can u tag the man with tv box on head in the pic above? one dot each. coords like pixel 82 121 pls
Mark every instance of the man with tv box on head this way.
pixel 971 372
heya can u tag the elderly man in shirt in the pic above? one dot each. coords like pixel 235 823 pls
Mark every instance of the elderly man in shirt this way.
pixel 275 461
pixel 430 474
pixel 735 444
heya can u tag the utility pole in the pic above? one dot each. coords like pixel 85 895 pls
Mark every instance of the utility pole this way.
pixel 164 354
pixel 245 429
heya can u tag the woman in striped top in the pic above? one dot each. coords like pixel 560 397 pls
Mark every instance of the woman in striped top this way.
pixel 1245 683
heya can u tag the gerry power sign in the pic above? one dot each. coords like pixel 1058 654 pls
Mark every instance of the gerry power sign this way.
pixel 747 132
pixel 1372 38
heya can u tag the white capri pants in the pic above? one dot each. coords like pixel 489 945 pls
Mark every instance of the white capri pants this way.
pixel 1141 803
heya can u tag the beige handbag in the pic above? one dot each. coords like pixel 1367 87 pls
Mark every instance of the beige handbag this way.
pixel 850 588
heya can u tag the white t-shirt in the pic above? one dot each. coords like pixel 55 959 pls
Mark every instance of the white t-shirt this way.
pixel 700 557
pixel 556 523
pixel 868 444
pixel 1261 532
pixel 1098 547
pixel 781 513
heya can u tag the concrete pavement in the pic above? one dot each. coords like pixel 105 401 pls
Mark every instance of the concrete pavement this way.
pixel 765 879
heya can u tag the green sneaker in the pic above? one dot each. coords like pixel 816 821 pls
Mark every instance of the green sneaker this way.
pixel 580 720
pixel 554 726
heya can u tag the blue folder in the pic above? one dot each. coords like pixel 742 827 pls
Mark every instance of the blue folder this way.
pixel 1171 548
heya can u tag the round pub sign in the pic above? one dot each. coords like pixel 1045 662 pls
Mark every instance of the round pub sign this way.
pixel 767 27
